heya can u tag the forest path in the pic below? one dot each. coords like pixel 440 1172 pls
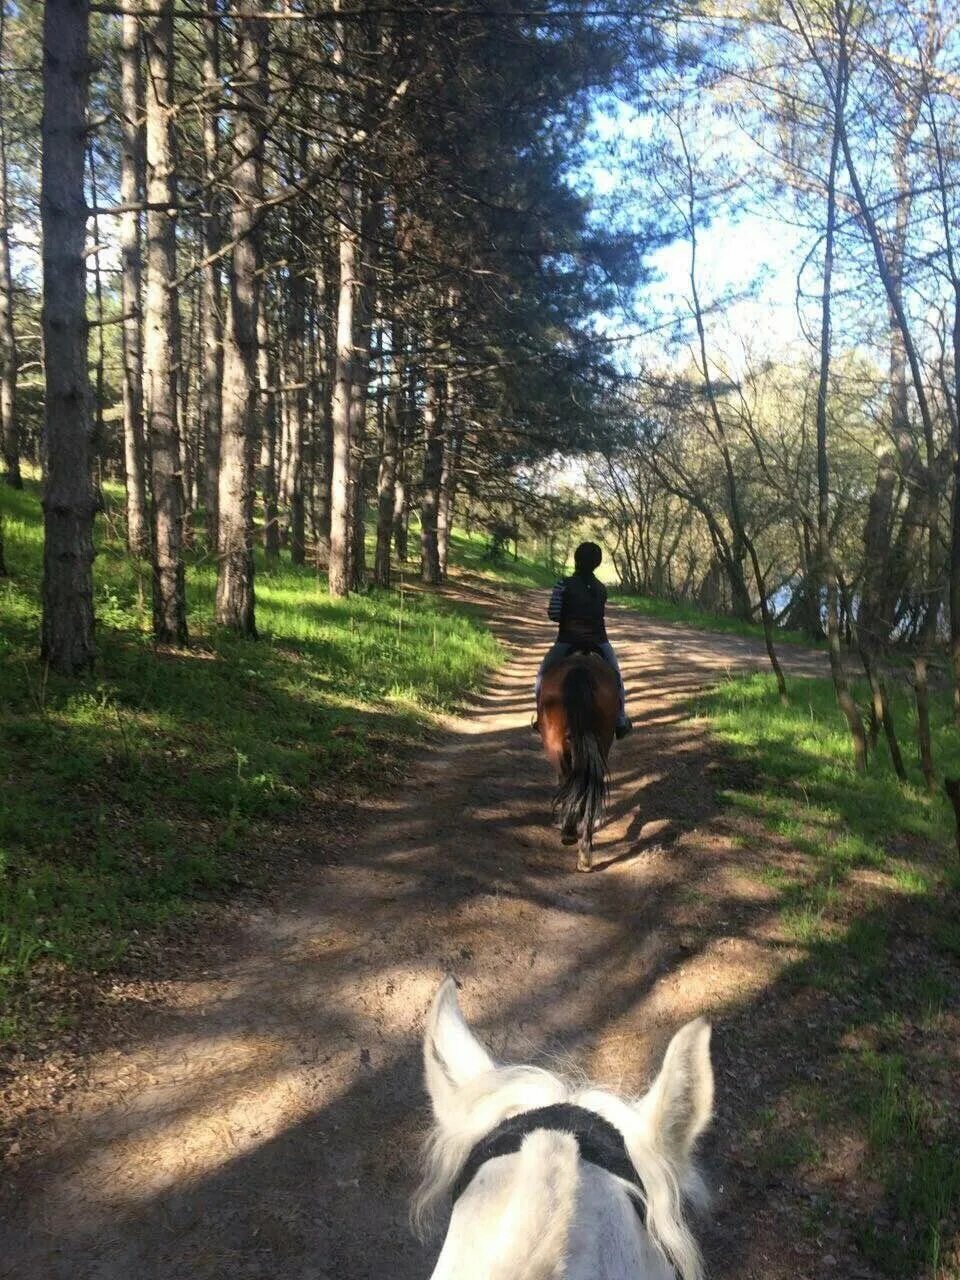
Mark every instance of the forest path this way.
pixel 266 1120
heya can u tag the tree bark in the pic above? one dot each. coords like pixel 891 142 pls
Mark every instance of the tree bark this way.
pixel 401 500
pixel 211 376
pixel 99 434
pixel 363 322
pixel 9 426
pixel 448 492
pixel 266 378
pixel 131 193
pixel 322 431
pixel 295 372
pixel 387 471
pixel 235 579
pixel 343 380
pixel 826 556
pixel 921 692
pixel 767 624
pixel 189 346
pixel 161 333
pixel 67 643
pixel 433 425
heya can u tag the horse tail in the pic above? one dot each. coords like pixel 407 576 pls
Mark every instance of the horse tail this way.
pixel 580 797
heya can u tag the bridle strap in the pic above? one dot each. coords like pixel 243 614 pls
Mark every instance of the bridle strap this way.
pixel 599 1142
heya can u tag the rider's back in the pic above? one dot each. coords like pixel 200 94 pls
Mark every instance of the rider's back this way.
pixel 582 601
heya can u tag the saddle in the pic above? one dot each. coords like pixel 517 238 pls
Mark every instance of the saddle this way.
pixel 566 649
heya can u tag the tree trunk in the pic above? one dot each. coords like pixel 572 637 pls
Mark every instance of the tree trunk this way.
pixel 448 492
pixel 923 722
pixel 401 500
pixel 235 583
pixel 131 193
pixel 387 471
pixel 825 550
pixel 9 427
pixel 295 373
pixel 161 334
pixel 433 415
pixel 734 560
pixel 266 378
pixel 189 345
pixel 322 432
pixel 211 377
pixel 68 497
pixel 99 434
pixel 358 401
pixel 767 624
pixel 343 379
pixel 955 535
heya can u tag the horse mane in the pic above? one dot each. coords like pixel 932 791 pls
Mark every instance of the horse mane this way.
pixel 506 1091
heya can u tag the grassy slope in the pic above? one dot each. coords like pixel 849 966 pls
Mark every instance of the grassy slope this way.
pixel 872 904
pixel 469 551
pixel 128 797
pixel 667 611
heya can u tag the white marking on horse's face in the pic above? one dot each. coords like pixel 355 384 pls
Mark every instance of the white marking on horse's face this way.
pixel 543 1214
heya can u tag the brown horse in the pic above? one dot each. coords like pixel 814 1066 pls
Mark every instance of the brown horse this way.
pixel 577 714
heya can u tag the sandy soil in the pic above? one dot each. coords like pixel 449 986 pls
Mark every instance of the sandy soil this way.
pixel 265 1120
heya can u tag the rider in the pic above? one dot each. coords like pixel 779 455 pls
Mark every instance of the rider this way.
pixel 577 605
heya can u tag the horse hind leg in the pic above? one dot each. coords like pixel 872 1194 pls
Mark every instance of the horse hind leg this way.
pixel 585 847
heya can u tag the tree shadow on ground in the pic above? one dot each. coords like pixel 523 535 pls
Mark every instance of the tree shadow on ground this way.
pixel 458 873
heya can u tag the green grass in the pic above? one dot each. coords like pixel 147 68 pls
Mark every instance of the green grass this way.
pixel 128 797
pixel 882 955
pixel 802 756
pixel 471 551
pixel 689 616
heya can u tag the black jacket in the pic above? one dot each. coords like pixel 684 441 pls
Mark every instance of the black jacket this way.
pixel 577 605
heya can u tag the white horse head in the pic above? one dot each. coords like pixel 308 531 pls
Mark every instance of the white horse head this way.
pixel 551 1208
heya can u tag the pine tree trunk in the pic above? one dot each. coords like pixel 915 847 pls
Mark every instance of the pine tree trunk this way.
pixel 387 471
pixel 268 442
pixel 211 377
pixel 9 427
pixel 343 379
pixel 401 517
pixel 448 493
pixel 358 401
pixel 401 501
pixel 131 192
pixel 322 432
pixel 99 434
pixel 189 344
pixel 68 496
pixel 161 334
pixel 295 373
pixel 235 585
pixel 432 472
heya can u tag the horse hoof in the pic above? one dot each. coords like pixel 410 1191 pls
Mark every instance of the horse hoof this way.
pixel 583 864
pixel 568 837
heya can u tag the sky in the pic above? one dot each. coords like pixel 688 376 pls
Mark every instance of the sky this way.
pixel 753 252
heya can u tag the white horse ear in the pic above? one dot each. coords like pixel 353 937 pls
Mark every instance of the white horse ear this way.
pixel 678 1107
pixel 452 1054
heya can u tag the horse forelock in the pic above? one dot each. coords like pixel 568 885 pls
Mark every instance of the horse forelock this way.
pixel 509 1090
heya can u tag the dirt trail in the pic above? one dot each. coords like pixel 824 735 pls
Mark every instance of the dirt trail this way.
pixel 266 1123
